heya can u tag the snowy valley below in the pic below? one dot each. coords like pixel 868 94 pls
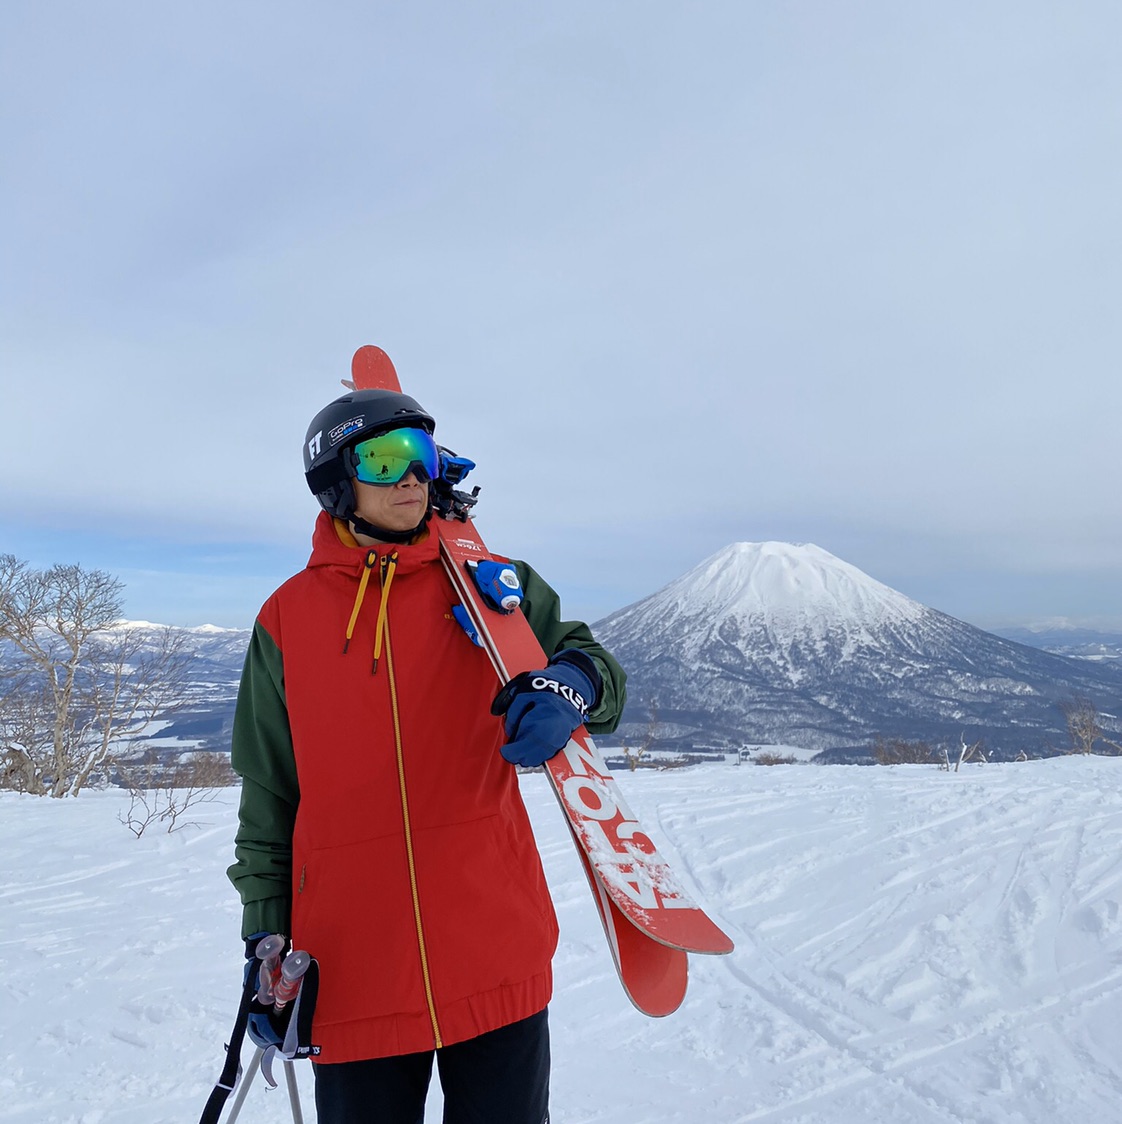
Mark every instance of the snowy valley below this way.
pixel 913 947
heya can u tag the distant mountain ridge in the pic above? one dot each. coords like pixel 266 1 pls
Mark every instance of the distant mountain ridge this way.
pixel 1083 643
pixel 207 716
pixel 780 643
pixel 785 643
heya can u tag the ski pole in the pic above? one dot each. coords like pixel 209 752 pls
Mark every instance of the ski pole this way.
pixel 292 970
pixel 247 1080
pixel 293 1092
pixel 268 952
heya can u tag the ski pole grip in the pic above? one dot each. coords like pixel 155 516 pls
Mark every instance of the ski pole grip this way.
pixel 270 946
pixel 268 952
pixel 292 972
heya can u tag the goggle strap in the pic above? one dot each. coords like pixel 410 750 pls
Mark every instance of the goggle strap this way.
pixel 326 475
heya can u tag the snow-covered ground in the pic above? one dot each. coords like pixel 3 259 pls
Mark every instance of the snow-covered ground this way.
pixel 914 947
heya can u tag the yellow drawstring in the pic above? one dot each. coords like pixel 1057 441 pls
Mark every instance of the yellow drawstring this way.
pixel 371 561
pixel 389 568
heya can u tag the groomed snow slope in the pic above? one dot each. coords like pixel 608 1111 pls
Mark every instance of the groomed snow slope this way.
pixel 915 947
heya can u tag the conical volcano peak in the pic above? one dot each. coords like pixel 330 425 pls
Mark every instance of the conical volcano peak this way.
pixel 774 580
pixel 785 643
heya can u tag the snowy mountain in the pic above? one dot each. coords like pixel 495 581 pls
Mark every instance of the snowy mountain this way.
pixel 779 644
pixel 774 642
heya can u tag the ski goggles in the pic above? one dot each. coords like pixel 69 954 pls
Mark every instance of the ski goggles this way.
pixel 391 456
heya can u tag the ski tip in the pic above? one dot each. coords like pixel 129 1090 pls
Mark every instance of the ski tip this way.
pixel 699 934
pixel 654 977
pixel 721 946
pixel 373 369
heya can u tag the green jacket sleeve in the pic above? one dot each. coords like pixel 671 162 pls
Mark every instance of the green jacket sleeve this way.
pixel 261 753
pixel 542 608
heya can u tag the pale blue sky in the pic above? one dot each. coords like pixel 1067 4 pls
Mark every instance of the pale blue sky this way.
pixel 675 275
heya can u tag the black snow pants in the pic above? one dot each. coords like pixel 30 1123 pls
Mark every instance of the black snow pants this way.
pixel 498 1078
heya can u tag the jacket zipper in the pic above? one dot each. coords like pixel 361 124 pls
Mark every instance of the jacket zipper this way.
pixel 422 948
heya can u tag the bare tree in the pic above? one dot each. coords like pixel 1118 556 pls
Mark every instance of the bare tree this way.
pixel 772 758
pixel 634 754
pixel 967 753
pixel 897 751
pixel 75 684
pixel 1084 727
pixel 24 725
pixel 164 795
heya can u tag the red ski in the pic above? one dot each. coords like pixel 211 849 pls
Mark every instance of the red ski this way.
pixel 372 369
pixel 648 916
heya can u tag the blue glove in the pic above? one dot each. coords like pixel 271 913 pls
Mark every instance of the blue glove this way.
pixel 543 708
pixel 261 1030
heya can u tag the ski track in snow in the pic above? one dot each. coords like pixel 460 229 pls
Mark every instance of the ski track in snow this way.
pixel 913 947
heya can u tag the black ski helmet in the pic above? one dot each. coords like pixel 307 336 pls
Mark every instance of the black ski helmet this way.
pixel 338 427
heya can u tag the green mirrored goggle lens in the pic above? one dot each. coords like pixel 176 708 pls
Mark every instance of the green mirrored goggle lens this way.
pixel 387 458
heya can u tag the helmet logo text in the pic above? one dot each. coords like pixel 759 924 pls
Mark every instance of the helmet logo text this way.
pixel 351 425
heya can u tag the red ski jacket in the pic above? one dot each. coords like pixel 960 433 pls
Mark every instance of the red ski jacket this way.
pixel 380 824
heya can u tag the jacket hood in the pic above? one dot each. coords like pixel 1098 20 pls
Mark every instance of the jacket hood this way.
pixel 334 545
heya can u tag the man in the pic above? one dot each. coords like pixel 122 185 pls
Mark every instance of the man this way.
pixel 381 823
